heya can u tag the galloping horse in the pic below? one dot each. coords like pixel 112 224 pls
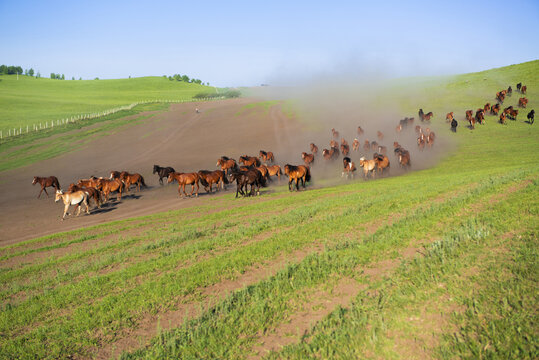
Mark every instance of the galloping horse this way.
pixel 519 85
pixel 495 109
pixel 162 172
pixel 186 179
pixel 266 156
pixel 369 166
pixel 335 133
pixel 72 198
pixel 213 177
pixel 348 167
pixel 297 174
pixel 274 170
pixel 486 108
pixel 355 145
pixel 522 102
pixel 404 157
pixel 132 179
pixel 249 160
pixel 360 131
pixel 523 89
pixel 449 117
pixel 251 177
pixel 382 163
pixel 502 118
pixel 92 192
pixel 227 164
pixel 314 148
pixel 531 116
pixel 107 186
pixel 45 182
pixel 345 149
pixel 308 159
pixel 333 153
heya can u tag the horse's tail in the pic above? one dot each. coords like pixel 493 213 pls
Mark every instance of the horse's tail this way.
pixel 308 175
pixel 203 180
pixel 225 179
pixel 142 181
pixel 56 184
pixel 262 180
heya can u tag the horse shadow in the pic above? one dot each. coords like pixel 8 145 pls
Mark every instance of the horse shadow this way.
pixel 529 122
pixel 131 196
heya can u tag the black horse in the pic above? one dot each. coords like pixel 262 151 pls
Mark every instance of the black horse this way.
pixel 454 125
pixel 519 85
pixel 531 116
pixel 163 172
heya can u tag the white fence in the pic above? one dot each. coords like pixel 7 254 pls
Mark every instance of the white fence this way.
pixel 21 130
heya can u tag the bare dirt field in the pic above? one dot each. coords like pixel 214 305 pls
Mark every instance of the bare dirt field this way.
pixel 181 138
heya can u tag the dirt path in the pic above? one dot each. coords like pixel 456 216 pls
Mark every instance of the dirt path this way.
pixel 181 138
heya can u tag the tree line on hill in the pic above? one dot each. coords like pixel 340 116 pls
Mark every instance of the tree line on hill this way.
pixel 185 78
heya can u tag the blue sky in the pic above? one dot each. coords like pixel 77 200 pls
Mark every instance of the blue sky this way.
pixel 242 43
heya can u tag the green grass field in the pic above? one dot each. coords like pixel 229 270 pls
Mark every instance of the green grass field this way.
pixel 439 263
pixel 29 101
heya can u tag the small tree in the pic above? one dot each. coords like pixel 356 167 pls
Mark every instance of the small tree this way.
pixel 63 77
pixel 38 75
pixel 31 72
pixel 185 78
pixel 53 76
pixel 72 78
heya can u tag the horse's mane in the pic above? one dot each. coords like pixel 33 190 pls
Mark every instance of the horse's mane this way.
pixel 225 158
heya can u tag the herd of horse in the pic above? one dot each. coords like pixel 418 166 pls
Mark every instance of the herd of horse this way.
pixel 253 172
pixel 507 113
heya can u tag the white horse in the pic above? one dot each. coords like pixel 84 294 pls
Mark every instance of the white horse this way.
pixel 72 198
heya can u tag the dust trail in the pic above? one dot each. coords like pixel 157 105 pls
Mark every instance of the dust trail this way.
pixel 345 107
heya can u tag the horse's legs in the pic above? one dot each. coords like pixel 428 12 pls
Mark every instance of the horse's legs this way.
pixel 66 207
pixel 289 183
pixel 40 192
pixel 297 184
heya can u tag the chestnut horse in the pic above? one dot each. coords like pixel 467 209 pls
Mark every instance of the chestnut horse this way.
pixel 274 170
pixel 345 149
pixel 186 179
pixel 308 159
pixel 227 164
pixel 266 156
pixel 297 174
pixel 132 179
pixel 213 177
pixel 522 102
pixel 495 109
pixel 449 117
pixel 523 89
pixel 107 186
pixel 382 163
pixel 162 172
pixel 249 160
pixel 335 133
pixel 404 157
pixel 355 145
pixel 72 198
pixel 314 148
pixel 45 182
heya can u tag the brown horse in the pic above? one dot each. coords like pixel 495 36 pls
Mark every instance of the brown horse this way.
pixel 217 177
pixel 243 179
pixel 266 156
pixel 366 145
pixel 335 133
pixel 308 159
pixel 495 109
pixel 523 89
pixel 115 174
pixel 430 139
pixel 274 170
pixel 74 198
pixel 480 116
pixel 345 149
pixel 486 108
pixel 360 131
pixel 90 191
pixel 91 182
pixel 512 114
pixel 449 117
pixel 314 148
pixel 107 186
pixel 333 143
pixel 348 167
pixel 404 157
pixel 355 145
pixel 428 116
pixel 382 163
pixel 522 102
pixel 227 164
pixel 297 174
pixel 369 166
pixel 382 149
pixel 186 179
pixel 45 182
pixel 330 154
pixel 132 179
pixel 502 118
pixel 470 118
pixel 249 160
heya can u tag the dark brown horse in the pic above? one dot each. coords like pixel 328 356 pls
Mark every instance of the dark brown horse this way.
pixel 132 179
pixel 162 172
pixel 186 179
pixel 217 177
pixel 266 156
pixel 345 149
pixel 523 89
pixel 45 182
pixel 249 160
pixel 495 109
pixel 297 174
pixel 227 164
pixel 252 177
pixel 404 157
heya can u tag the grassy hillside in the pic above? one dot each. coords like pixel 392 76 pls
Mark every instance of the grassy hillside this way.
pixel 29 101
pixel 440 263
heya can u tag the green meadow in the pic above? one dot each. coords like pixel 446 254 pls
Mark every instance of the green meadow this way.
pixel 29 100
pixel 439 263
